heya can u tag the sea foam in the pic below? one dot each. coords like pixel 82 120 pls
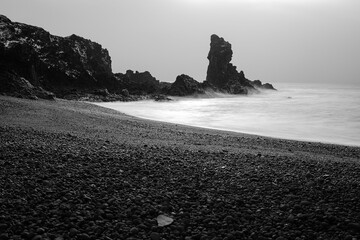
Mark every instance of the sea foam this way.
pixel 310 112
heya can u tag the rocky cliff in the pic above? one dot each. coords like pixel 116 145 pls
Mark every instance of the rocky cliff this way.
pixel 54 63
pixel 35 64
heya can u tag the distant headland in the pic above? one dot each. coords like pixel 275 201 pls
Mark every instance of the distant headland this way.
pixel 35 64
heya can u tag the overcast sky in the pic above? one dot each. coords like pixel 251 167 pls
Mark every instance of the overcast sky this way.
pixel 272 40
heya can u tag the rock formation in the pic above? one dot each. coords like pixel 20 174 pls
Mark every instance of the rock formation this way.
pixel 220 69
pixel 22 88
pixel 258 84
pixel 67 66
pixel 35 64
pixel 138 83
pixel 222 74
pixel 53 63
pixel 184 86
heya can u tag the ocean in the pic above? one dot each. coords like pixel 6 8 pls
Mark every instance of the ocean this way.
pixel 309 112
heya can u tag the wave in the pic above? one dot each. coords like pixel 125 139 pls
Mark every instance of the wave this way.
pixel 322 114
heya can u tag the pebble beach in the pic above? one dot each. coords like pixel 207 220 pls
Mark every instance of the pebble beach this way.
pixel 74 170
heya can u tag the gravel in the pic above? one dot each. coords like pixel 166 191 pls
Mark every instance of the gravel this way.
pixel 72 170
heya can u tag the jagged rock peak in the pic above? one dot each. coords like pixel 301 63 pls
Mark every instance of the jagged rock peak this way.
pixel 222 74
pixel 220 52
pixel 220 68
pixel 220 71
pixel 4 19
pixel 218 46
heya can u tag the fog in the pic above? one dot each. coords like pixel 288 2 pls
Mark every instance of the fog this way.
pixel 273 40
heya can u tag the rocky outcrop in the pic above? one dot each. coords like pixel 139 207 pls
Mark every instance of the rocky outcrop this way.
pixel 258 84
pixel 13 85
pixel 138 83
pixel 184 86
pixel 222 74
pixel 71 67
pixel 220 69
pixel 36 64
pixel 54 63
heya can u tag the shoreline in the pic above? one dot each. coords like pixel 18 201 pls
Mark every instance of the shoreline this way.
pixel 73 170
pixel 342 142
pixel 243 132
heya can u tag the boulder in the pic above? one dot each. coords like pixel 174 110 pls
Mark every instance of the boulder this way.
pixel 138 83
pixel 102 92
pixel 125 92
pixel 185 85
pixel 161 98
pixel 259 85
pixel 256 83
pixel 268 86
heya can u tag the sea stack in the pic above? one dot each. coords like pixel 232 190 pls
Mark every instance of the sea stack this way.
pixel 220 69
pixel 222 74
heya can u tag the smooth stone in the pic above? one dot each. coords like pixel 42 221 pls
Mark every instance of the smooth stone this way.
pixel 83 236
pixel 134 230
pixel 355 226
pixel 73 232
pixel 40 231
pixel 4 236
pixel 155 236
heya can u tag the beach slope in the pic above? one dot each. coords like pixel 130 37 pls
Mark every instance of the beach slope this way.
pixel 73 170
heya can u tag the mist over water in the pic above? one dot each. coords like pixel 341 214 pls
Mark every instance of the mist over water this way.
pixel 321 113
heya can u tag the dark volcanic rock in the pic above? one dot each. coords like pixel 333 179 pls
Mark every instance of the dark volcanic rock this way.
pixel 102 92
pixel 31 60
pixel 268 86
pixel 185 85
pixel 53 63
pixel 161 98
pixel 220 69
pixel 20 87
pixel 222 74
pixel 138 82
pixel 35 64
pixel 258 84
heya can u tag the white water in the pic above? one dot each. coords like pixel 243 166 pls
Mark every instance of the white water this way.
pixel 320 113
